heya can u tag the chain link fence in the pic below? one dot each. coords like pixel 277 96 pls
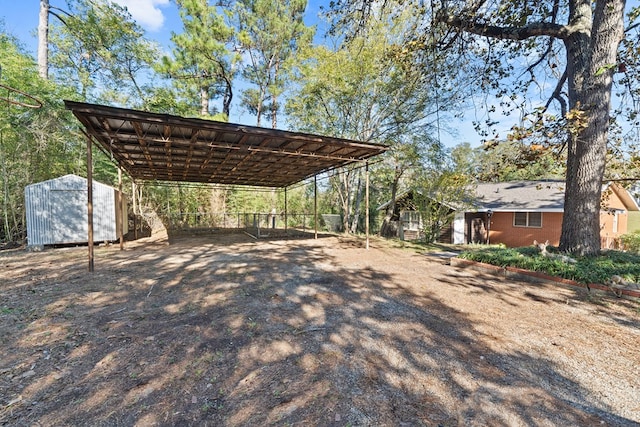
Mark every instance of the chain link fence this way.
pixel 256 224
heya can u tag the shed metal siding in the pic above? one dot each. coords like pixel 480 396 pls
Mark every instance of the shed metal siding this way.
pixel 57 211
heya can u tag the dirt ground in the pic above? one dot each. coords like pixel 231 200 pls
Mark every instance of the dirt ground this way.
pixel 226 330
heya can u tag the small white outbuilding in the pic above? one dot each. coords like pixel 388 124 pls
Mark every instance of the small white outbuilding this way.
pixel 57 212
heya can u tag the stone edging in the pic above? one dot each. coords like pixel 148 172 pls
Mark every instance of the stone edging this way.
pixel 535 276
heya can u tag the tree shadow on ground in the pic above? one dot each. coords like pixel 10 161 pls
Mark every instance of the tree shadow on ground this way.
pixel 245 332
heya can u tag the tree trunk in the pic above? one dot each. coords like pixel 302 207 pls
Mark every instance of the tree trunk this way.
pixel 274 112
pixel 274 97
pixel 227 97
pixel 259 106
pixel 43 40
pixel 5 187
pixel 357 202
pixel 182 215
pixel 591 39
pixel 204 101
pixel 344 191
pixel 590 69
pixel 386 229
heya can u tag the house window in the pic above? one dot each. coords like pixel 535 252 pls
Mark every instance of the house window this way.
pixel 527 219
pixel 411 220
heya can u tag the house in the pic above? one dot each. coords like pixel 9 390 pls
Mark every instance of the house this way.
pixel 406 223
pixel 517 213
pixel 633 224
pixel 56 212
pixel 514 214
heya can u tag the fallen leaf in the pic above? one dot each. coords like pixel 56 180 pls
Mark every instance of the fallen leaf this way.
pixel 14 401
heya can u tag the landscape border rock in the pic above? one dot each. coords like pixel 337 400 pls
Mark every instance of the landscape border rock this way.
pixel 536 276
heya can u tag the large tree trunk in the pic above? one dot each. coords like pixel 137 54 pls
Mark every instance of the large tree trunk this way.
pixel 386 229
pixel 591 40
pixel 590 69
pixel 43 40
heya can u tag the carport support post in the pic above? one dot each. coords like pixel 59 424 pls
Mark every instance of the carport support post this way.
pixel 285 210
pixel 135 214
pixel 120 210
pixel 315 205
pixel 366 197
pixel 90 202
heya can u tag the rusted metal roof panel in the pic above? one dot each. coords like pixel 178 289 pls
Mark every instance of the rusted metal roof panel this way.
pixel 151 146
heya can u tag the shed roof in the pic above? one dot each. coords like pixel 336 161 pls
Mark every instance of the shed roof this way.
pixel 162 147
pixel 69 181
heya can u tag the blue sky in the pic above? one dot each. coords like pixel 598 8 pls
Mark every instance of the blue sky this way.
pixel 159 18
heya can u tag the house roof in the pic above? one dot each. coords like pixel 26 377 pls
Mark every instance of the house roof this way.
pixel 406 195
pixel 625 197
pixel 151 146
pixel 523 196
pixel 534 196
pixel 520 196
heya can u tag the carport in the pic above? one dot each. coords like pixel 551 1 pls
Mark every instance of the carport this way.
pixel 167 148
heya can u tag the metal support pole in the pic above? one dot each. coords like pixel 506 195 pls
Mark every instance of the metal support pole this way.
pixel 135 211
pixel 315 205
pixel 121 212
pixel 366 221
pixel 285 210
pixel 90 202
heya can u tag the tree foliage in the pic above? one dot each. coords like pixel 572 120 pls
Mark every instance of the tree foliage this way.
pixel 100 51
pixel 35 143
pixel 392 73
pixel 271 34
pixel 204 63
pixel 437 197
pixel 371 88
pixel 588 35
pixel 568 51
pixel 515 160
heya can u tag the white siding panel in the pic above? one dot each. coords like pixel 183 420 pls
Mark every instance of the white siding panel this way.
pixel 37 212
pixel 57 211
pixel 458 228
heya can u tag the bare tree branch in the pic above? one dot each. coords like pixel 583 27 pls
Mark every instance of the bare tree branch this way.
pixel 531 67
pixel 60 18
pixel 534 29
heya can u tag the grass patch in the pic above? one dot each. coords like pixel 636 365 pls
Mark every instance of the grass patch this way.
pixel 595 269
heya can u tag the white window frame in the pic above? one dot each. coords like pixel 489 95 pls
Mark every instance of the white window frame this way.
pixel 411 220
pixel 528 220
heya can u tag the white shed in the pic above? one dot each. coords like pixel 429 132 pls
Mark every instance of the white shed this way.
pixel 57 212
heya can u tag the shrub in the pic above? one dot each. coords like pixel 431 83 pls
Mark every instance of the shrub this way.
pixel 597 269
pixel 631 242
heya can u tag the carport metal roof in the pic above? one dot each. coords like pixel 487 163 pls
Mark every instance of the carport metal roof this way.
pixel 151 146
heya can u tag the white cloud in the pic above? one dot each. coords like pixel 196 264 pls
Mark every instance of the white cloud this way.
pixel 147 13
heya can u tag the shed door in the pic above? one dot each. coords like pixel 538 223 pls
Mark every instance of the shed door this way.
pixel 68 216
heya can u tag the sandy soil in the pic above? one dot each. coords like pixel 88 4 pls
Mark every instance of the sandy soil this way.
pixel 226 330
